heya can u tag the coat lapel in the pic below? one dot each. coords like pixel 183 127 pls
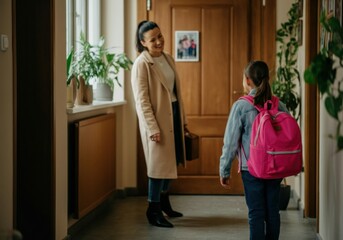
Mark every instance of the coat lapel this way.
pixel 157 70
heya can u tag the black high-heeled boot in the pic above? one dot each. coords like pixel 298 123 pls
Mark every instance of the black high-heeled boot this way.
pixel 166 207
pixel 155 216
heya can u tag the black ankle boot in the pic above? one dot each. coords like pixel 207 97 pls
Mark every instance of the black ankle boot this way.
pixel 166 207
pixel 155 216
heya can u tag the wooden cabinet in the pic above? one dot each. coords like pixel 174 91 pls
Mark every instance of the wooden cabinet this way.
pixel 92 172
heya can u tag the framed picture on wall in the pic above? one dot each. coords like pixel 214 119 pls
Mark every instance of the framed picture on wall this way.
pixel 338 10
pixel 300 8
pixel 187 46
pixel 300 32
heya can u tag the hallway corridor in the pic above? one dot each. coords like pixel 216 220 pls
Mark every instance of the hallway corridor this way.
pixel 205 217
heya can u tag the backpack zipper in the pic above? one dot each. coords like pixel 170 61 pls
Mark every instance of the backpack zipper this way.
pixel 283 152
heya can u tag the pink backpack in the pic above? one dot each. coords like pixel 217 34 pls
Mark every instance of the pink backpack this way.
pixel 275 143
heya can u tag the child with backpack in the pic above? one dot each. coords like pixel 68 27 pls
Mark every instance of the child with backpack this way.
pixel 261 195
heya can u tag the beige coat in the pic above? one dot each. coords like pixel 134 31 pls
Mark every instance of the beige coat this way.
pixel 155 115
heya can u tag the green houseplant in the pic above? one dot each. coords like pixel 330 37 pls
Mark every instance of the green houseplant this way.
pixel 323 72
pixel 287 75
pixel 113 63
pixel 97 63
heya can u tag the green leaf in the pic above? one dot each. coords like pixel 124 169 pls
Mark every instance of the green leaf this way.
pixel 339 143
pixel 330 106
pixel 334 24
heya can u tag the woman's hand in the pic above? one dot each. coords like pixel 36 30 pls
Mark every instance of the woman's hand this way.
pixel 225 182
pixel 156 137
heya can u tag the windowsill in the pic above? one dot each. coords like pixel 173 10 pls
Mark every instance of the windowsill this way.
pixel 94 106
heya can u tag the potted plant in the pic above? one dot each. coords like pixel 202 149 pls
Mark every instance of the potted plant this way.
pixel 96 64
pixel 285 195
pixel 109 75
pixel 86 65
pixel 287 74
pixel 323 72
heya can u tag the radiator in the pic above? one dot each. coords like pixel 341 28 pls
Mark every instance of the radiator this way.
pixel 94 168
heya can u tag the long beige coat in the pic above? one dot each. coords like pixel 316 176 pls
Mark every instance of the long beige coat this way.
pixel 155 115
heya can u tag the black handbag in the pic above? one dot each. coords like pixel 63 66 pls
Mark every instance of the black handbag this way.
pixel 192 146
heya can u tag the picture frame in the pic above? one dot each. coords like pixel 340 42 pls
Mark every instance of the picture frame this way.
pixel 300 33
pixel 338 10
pixel 300 8
pixel 330 8
pixel 187 46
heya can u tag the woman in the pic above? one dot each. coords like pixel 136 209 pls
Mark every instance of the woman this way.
pixel 262 196
pixel 156 88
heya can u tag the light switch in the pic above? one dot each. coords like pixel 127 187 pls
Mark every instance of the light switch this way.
pixel 4 42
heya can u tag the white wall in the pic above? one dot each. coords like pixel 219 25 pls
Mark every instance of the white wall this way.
pixel 330 178
pixel 282 8
pixel 120 37
pixel 6 121
pixel 299 181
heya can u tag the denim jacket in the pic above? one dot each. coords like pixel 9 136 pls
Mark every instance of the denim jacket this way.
pixel 237 133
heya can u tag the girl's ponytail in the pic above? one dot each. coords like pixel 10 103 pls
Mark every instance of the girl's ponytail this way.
pixel 258 72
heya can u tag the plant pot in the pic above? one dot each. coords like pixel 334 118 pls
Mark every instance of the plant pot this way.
pixel 71 93
pixel 103 92
pixel 285 195
pixel 84 94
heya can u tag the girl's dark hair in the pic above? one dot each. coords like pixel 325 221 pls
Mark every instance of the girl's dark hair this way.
pixel 258 72
pixel 142 28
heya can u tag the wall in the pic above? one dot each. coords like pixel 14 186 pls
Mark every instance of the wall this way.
pixel 121 37
pixel 330 178
pixel 299 181
pixel 130 117
pixel 6 121
pixel 283 7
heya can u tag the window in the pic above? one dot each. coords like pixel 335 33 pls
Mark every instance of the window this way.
pixel 82 16
pixel 96 18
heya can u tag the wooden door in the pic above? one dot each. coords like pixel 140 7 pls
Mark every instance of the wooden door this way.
pixel 209 85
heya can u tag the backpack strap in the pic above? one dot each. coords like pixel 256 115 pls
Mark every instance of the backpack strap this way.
pixel 274 103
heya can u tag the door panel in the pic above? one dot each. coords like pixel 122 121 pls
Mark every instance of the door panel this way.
pixel 207 85
pixel 215 43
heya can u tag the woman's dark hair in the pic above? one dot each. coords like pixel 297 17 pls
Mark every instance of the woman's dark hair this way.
pixel 142 28
pixel 258 72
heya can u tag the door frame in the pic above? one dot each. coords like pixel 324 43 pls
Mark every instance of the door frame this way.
pixel 311 208
pixel 33 147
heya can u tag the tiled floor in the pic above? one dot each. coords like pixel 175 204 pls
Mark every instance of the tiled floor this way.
pixel 205 217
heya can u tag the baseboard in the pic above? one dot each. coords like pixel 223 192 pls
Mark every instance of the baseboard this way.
pixel 127 192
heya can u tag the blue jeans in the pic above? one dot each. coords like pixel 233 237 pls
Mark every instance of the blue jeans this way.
pixel 262 198
pixel 156 186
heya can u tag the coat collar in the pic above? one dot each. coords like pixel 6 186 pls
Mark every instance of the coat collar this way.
pixel 148 58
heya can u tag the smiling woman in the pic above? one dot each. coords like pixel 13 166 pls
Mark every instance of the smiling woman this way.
pixel 159 106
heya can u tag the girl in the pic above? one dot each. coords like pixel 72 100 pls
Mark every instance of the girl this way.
pixel 262 196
